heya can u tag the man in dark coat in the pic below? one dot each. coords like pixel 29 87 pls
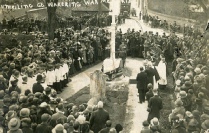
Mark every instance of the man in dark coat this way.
pixel 37 87
pixel 141 84
pixel 150 73
pixel 98 118
pixel 154 106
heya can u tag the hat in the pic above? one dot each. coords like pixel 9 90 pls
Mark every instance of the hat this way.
pixel 192 124
pixel 188 83
pixel 2 94
pixel 59 128
pixel 202 76
pixel 179 60
pixel 183 94
pixel 189 114
pixel 178 82
pixel 205 125
pixel 89 108
pixel 24 112
pixel 45 117
pixel 48 89
pixel 70 118
pixel 14 124
pixel 37 94
pixel 200 95
pixel 81 107
pixel 178 103
pixel 145 123
pixel 204 117
pixel 26 120
pixel 43 105
pixel 196 113
pixel 206 110
pixel 11 114
pixel 14 107
pixel 155 121
pixel 39 78
pixel 197 70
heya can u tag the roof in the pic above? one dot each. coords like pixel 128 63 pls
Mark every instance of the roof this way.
pixel 91 8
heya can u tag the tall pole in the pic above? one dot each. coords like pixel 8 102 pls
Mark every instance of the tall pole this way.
pixel 113 26
pixel 115 8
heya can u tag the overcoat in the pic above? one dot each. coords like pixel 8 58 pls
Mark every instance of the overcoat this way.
pixel 142 80
pixel 98 120
pixel 155 105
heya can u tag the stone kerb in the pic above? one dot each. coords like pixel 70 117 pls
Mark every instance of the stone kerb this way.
pixel 97 87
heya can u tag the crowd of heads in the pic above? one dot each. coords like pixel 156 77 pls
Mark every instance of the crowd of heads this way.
pixel 156 22
pixel 190 72
pixel 33 73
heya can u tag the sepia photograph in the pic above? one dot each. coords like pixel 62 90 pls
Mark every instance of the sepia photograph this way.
pixel 104 66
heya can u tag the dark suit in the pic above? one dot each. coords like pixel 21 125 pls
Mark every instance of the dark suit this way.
pixel 105 130
pixel 37 87
pixel 150 73
pixel 141 85
pixel 98 120
pixel 155 105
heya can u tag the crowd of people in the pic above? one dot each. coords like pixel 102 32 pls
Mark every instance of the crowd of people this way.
pixel 190 72
pixel 29 24
pixel 156 22
pixel 32 74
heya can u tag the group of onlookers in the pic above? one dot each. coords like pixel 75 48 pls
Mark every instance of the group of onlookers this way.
pixel 190 72
pixel 156 22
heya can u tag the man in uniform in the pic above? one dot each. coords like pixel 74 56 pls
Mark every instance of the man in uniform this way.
pixel 122 52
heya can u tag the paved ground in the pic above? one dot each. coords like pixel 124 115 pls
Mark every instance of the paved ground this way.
pixel 136 109
pixel 136 113
pixel 79 81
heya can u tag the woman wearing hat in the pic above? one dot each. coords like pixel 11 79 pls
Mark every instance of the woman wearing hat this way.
pixel 14 125
pixel 59 128
pixel 186 101
pixel 179 109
